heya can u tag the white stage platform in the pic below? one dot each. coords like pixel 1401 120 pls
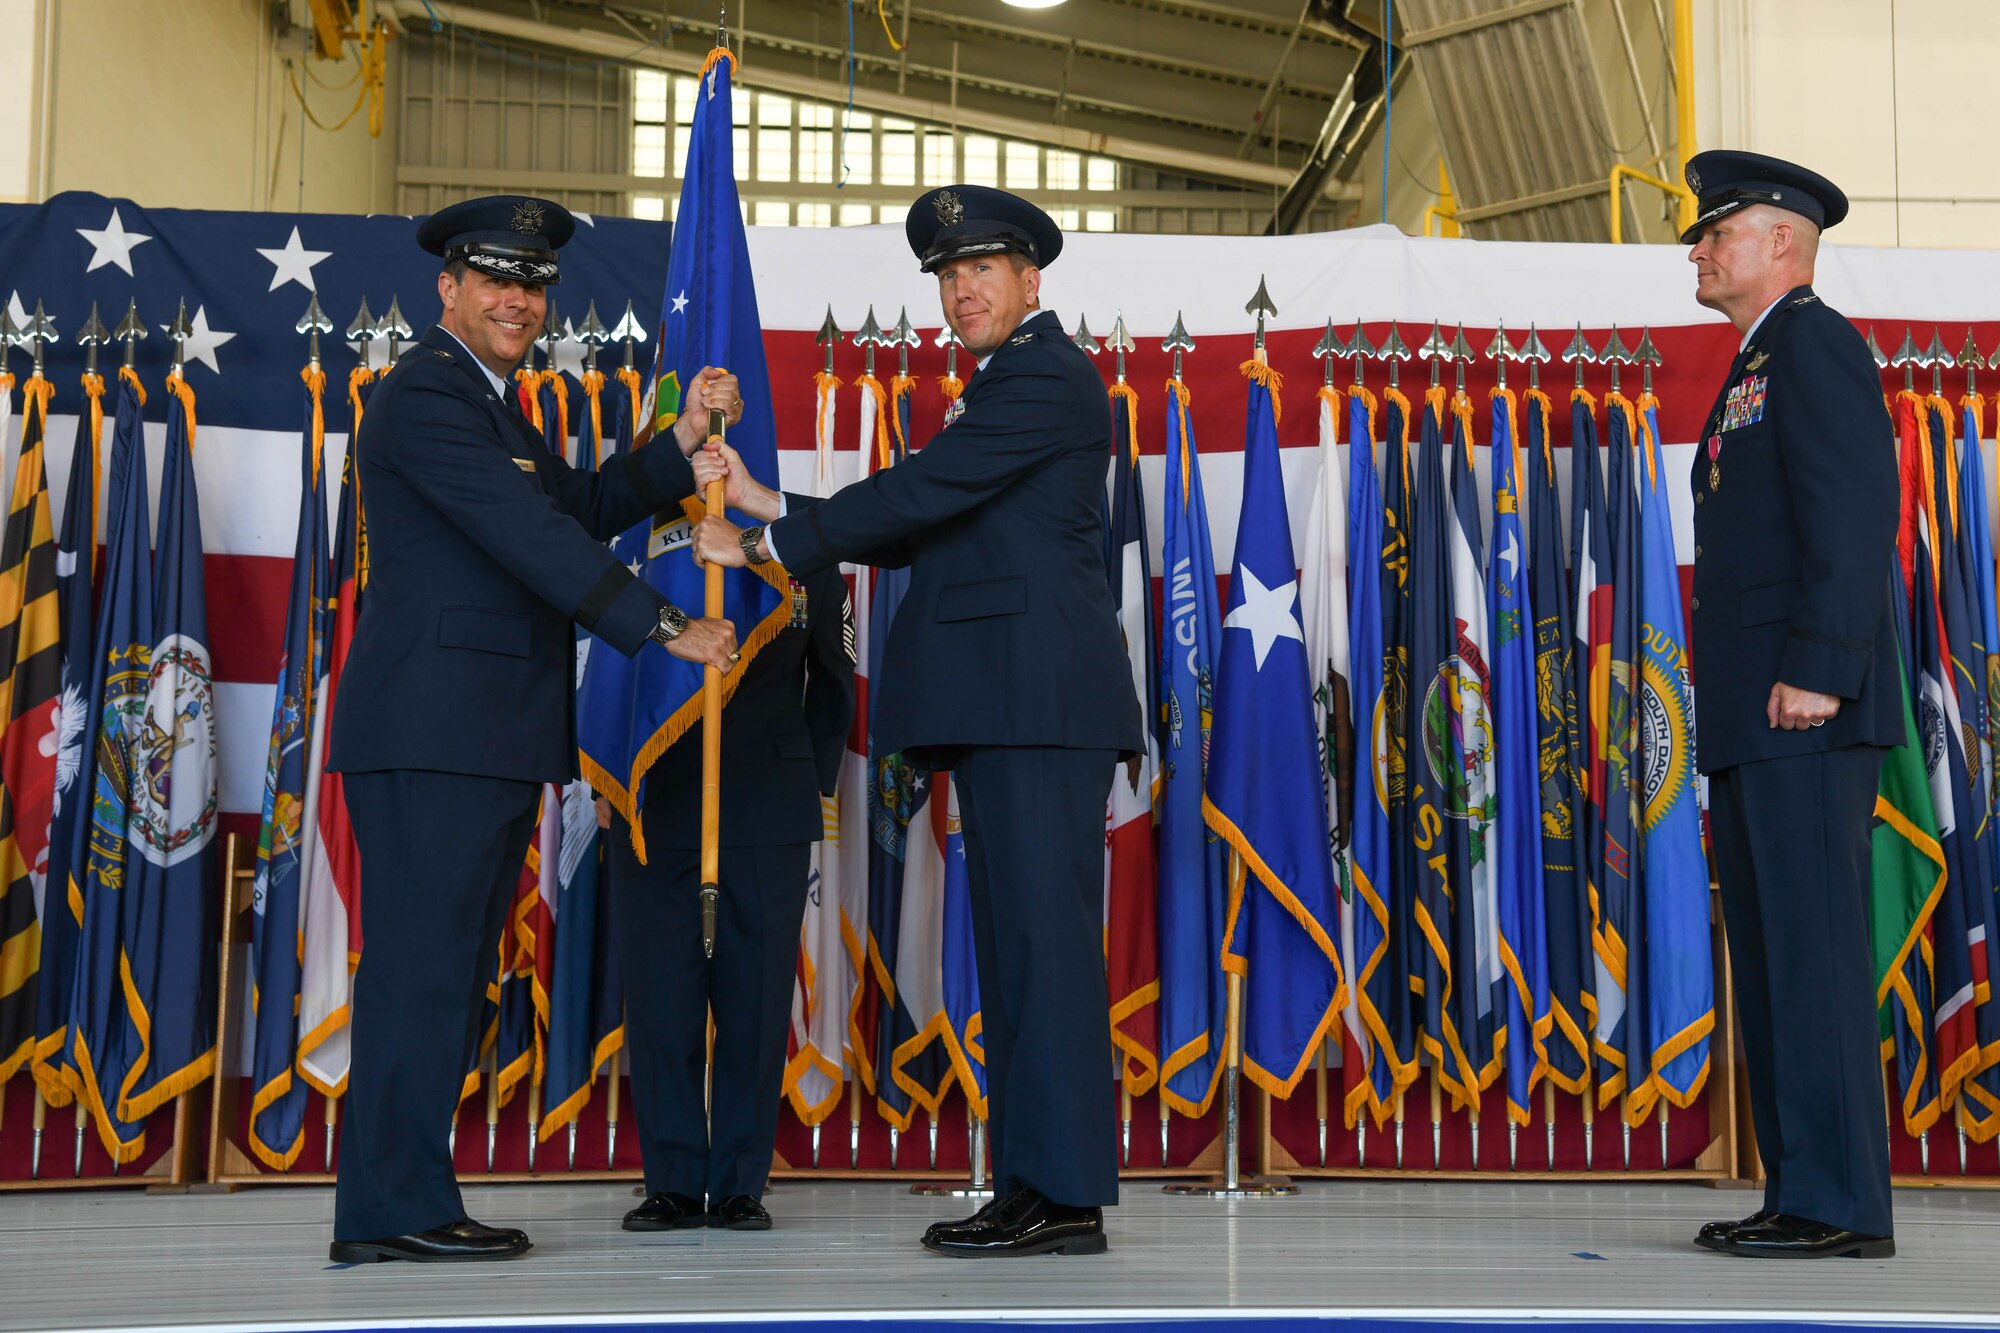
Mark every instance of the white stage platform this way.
pixel 1350 1251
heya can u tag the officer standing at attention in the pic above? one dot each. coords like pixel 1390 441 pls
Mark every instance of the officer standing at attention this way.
pixel 1004 666
pixel 457 703
pixel 1795 658
pixel 784 732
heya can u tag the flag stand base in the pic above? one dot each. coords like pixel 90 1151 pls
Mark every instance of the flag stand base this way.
pixel 978 1187
pixel 1249 1187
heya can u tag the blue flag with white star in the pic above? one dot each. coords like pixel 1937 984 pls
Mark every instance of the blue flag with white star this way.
pixel 631 709
pixel 1264 795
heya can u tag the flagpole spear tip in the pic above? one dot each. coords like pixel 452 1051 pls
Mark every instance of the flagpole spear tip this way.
pixel 1330 348
pixel 1260 305
pixel 1121 343
pixel 1178 341
pixel 91 335
pixel 313 323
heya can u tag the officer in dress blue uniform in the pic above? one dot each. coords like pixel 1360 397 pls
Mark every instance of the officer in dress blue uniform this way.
pixel 1795 663
pixel 484 550
pixel 1004 666
pixel 783 735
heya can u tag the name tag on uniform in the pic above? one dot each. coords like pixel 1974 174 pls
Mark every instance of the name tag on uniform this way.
pixel 1745 404
pixel 525 464
pixel 954 412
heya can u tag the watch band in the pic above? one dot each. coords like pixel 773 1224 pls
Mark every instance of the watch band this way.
pixel 750 538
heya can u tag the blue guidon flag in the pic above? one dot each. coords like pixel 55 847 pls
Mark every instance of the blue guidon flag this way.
pixel 631 709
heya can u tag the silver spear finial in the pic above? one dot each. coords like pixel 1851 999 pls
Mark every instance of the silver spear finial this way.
pixel 131 332
pixel 1328 349
pixel 1177 342
pixel 313 323
pixel 92 335
pixel 1121 343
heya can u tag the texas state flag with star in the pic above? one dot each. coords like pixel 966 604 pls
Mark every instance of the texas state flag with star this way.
pixel 1264 794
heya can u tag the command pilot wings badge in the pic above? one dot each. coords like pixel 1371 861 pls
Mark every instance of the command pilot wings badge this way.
pixel 1757 361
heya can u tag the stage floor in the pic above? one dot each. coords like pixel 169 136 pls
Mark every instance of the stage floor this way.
pixel 1450 1253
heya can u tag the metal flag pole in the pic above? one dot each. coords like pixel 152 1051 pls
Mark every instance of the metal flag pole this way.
pixel 396 329
pixel 1535 353
pixel 313 323
pixel 1938 360
pixel 1327 350
pixel 1906 359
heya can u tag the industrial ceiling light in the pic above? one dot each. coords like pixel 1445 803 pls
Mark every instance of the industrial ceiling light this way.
pixel 1034 4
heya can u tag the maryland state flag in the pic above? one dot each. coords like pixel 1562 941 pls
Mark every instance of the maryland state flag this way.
pixel 1193 992
pixel 30 711
pixel 1264 795
pixel 632 708
pixel 277 1100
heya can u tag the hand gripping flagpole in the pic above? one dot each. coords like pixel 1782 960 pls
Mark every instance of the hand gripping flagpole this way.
pixel 711 726
pixel 1232 1184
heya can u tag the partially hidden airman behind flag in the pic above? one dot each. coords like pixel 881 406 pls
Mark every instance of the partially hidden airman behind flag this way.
pixel 1263 789
pixel 632 708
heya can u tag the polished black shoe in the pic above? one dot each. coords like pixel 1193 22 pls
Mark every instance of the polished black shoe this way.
pixel 740 1212
pixel 1783 1236
pixel 1024 1222
pixel 666 1212
pixel 463 1241
pixel 979 1218
pixel 1712 1234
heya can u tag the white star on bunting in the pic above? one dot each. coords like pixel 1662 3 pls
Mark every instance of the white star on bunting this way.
pixel 112 245
pixel 202 340
pixel 680 303
pixel 568 351
pixel 1266 613
pixel 294 263
pixel 1512 556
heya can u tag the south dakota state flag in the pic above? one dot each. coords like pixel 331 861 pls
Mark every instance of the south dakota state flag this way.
pixel 1680 999
pixel 1264 795
pixel 631 709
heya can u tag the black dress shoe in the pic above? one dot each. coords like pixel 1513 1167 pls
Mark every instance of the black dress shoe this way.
pixel 1783 1236
pixel 979 1218
pixel 740 1212
pixel 1025 1222
pixel 666 1212
pixel 1712 1234
pixel 463 1241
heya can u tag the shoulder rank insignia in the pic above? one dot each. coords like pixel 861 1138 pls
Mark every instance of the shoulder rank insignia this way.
pixel 1757 361
pixel 525 464
pixel 440 352
pixel 1020 338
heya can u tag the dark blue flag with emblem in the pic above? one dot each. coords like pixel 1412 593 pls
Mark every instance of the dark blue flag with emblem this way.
pixel 1566 908
pixel 1264 795
pixel 277 1098
pixel 1401 1012
pixel 1428 725
pixel 1193 888
pixel 1372 983
pixel 62 911
pixel 1523 999
pixel 169 950
pixel 1591 615
pixel 632 709
pixel 1621 990
pixel 102 1040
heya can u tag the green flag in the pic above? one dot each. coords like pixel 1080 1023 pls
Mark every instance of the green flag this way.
pixel 1906 873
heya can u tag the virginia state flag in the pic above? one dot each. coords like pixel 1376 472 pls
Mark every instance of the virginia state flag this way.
pixel 1679 1013
pixel 277 1100
pixel 1516 846
pixel 632 709
pixel 1193 892
pixel 1264 795
pixel 169 883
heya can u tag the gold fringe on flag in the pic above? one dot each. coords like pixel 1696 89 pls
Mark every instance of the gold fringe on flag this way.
pixel 530 380
pixel 634 398
pixel 593 389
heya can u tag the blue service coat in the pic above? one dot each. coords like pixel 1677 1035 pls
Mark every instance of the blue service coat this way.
pixel 1007 635
pixel 483 549
pixel 1795 532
